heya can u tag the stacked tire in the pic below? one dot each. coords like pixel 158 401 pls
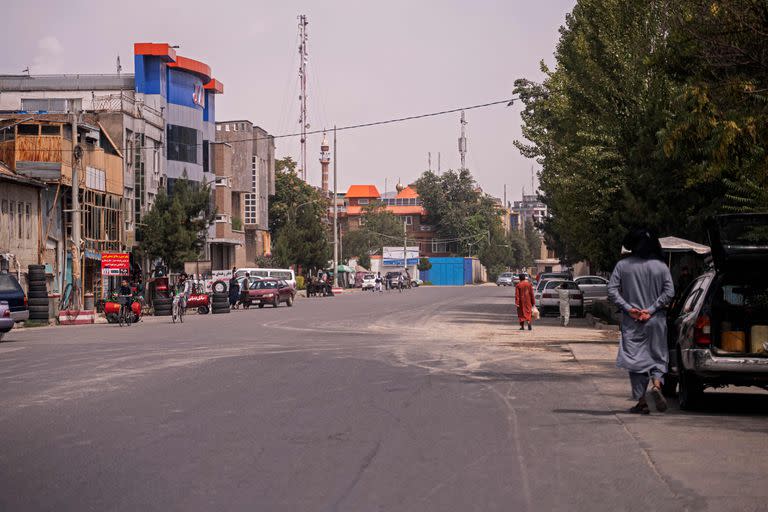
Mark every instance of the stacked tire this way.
pixel 37 296
pixel 162 305
pixel 220 303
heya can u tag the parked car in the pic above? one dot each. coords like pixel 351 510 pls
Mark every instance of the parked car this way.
pixel 271 291
pixel 718 326
pixel 505 279
pixel 548 301
pixel 594 288
pixel 369 281
pixel 416 283
pixel 565 275
pixel 6 322
pixel 13 294
pixel 286 274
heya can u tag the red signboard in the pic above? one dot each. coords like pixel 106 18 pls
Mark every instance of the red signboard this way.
pixel 115 264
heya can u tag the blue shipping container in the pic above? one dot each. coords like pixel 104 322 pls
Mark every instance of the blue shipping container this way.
pixel 468 271
pixel 446 272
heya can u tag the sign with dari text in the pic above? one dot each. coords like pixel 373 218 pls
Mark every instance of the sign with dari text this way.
pixel 115 264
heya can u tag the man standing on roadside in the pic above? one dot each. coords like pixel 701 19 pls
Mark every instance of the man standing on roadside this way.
pixel 524 300
pixel 641 286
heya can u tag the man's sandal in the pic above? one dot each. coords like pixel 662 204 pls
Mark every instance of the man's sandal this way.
pixel 658 399
pixel 640 409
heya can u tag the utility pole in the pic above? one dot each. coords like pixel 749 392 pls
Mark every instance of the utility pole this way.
pixel 429 161
pixel 463 142
pixel 438 163
pixel 304 54
pixel 77 154
pixel 335 218
pixel 405 247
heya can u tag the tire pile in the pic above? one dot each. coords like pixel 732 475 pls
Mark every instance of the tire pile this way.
pixel 37 296
pixel 162 306
pixel 220 300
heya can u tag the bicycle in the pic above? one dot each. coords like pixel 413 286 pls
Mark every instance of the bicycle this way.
pixel 178 309
pixel 125 315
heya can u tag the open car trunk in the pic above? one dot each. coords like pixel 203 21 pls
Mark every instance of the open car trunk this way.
pixel 740 314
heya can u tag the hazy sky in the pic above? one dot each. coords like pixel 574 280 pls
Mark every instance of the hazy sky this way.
pixel 367 62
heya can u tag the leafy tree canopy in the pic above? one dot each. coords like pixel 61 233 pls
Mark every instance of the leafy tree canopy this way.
pixel 176 226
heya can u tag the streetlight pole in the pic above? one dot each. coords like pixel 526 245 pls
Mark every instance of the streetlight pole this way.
pixel 335 218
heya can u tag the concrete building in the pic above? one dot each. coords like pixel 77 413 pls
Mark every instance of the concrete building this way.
pixel 252 182
pixel 226 236
pixel 528 209
pixel 161 117
pixel 40 147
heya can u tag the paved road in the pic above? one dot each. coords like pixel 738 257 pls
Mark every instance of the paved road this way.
pixel 426 400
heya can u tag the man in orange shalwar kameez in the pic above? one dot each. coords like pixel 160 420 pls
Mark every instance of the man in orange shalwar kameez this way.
pixel 524 301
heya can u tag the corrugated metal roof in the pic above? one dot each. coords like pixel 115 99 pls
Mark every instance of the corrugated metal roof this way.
pixel 67 82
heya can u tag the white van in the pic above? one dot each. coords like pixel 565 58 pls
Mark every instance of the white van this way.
pixel 285 274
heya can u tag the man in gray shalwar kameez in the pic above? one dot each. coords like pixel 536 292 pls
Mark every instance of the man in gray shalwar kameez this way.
pixel 641 285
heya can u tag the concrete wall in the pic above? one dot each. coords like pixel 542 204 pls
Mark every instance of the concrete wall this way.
pixel 24 247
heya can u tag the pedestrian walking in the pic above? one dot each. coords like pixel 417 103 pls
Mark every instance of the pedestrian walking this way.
pixel 641 285
pixel 234 289
pixel 525 301
pixel 564 301
pixel 378 283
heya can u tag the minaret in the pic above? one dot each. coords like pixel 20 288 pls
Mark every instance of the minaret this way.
pixel 325 160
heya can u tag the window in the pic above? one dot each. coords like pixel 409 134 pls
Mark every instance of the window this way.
pixel 408 220
pixel 439 247
pixel 29 220
pixel 21 220
pixel 51 129
pixel 221 217
pixel 50 104
pixel 362 221
pixel 28 129
pixel 182 144
pixel 206 166
pixel 362 202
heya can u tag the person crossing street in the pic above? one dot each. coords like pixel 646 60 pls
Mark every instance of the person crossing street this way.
pixel 563 298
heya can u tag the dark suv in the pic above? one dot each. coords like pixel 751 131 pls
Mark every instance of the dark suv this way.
pixel 11 291
pixel 718 328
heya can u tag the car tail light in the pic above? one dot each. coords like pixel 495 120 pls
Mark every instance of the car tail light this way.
pixel 702 331
pixel 7 313
pixel 25 301
pixel 578 296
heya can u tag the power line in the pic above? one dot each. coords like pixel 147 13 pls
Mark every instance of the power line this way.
pixel 340 128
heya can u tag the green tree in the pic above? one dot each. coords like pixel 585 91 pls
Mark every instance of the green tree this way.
pixel 177 223
pixel 380 227
pixel 298 215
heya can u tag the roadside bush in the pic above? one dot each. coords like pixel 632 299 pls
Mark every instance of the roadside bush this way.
pixel 300 283
pixel 426 283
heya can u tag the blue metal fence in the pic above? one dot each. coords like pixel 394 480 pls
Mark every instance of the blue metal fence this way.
pixel 446 272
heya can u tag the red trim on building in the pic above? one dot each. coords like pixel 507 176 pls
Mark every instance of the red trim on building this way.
pixel 214 86
pixel 155 49
pixel 193 66
pixel 363 191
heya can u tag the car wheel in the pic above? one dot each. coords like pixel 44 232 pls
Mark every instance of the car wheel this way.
pixel 289 302
pixel 691 390
pixel 202 310
pixel 275 303
pixel 261 306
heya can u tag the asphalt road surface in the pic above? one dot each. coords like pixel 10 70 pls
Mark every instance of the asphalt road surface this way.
pixel 426 400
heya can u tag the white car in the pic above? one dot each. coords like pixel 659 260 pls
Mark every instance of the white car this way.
pixel 547 299
pixel 369 281
pixel 594 287
pixel 505 279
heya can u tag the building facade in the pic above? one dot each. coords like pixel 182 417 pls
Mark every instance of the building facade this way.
pixel 40 148
pixel 252 181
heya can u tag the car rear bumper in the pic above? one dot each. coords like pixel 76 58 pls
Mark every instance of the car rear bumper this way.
pixel 20 316
pixel 6 324
pixel 703 361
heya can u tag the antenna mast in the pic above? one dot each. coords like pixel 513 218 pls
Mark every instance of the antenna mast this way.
pixel 304 54
pixel 463 142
